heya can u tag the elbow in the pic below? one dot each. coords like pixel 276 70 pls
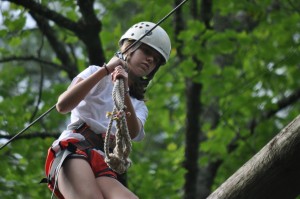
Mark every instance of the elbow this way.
pixel 135 128
pixel 61 108
pixel 134 133
pixel 138 136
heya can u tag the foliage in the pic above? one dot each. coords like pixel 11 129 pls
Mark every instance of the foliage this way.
pixel 250 65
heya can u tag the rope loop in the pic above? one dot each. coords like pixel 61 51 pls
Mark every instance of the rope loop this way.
pixel 118 160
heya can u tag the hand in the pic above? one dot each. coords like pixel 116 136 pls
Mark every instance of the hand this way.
pixel 114 62
pixel 118 73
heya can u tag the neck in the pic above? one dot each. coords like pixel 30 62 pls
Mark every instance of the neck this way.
pixel 132 78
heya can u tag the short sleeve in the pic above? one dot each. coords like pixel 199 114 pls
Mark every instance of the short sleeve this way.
pixel 88 71
pixel 85 73
pixel 142 114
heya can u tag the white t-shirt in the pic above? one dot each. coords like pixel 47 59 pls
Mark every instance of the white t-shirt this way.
pixel 93 108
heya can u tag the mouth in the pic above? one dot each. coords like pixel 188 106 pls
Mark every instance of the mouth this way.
pixel 145 66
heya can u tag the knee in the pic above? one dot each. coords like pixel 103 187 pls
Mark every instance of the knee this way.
pixel 129 195
pixel 133 197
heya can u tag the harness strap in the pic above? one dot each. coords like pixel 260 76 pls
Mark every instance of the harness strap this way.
pixel 57 163
pixel 92 140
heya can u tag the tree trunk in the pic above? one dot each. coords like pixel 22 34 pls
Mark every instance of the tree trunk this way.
pixel 274 172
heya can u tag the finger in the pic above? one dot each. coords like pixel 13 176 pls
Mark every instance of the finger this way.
pixel 119 67
pixel 119 74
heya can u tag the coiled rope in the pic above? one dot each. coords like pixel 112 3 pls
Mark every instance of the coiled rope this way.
pixel 118 160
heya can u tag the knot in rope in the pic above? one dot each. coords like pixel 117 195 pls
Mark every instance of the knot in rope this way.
pixel 118 160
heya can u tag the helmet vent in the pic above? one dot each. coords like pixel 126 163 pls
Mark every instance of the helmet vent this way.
pixel 148 33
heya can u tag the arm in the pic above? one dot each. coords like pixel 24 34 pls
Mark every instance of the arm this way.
pixel 133 123
pixel 68 100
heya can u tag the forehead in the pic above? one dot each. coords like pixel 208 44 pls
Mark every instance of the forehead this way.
pixel 151 50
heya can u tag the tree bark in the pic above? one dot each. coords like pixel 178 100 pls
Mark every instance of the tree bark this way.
pixel 193 91
pixel 192 134
pixel 274 172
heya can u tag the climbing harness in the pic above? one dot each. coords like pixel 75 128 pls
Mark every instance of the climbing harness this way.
pixel 57 154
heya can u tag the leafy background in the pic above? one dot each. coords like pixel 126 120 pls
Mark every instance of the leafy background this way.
pixel 243 54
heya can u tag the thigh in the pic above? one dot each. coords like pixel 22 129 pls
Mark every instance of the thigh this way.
pixel 113 189
pixel 76 180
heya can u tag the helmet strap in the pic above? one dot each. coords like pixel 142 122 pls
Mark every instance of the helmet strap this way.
pixel 124 57
pixel 132 49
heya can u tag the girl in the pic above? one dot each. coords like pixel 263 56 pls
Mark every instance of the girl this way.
pixel 75 165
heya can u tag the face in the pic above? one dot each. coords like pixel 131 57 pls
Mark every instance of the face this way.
pixel 144 60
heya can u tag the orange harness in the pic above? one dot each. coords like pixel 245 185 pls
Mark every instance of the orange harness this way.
pixel 77 149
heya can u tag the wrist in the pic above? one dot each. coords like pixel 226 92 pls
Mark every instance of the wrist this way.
pixel 106 68
pixel 127 91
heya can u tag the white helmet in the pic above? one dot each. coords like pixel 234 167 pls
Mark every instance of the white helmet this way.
pixel 157 39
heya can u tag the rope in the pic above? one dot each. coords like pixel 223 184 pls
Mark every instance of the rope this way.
pixel 118 160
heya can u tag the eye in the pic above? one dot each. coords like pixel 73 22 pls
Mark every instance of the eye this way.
pixel 146 50
pixel 151 52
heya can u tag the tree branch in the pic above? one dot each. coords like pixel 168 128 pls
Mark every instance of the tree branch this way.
pixel 44 11
pixel 283 103
pixel 30 58
pixel 89 34
pixel 58 47
pixel 88 14
pixel 294 7
pixel 272 173
pixel 32 135
pixel 41 82
pixel 87 29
